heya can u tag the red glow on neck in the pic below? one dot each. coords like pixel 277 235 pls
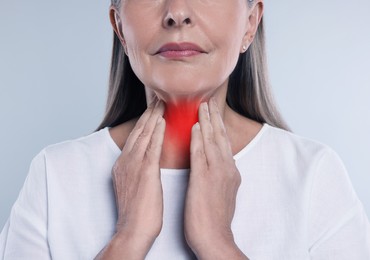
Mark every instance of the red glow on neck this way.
pixel 180 118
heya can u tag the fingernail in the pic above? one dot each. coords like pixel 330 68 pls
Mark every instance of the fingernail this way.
pixel 197 126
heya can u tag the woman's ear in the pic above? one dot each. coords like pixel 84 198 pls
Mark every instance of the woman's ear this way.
pixel 254 17
pixel 115 20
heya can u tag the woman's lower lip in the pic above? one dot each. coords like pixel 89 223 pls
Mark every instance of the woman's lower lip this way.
pixel 179 54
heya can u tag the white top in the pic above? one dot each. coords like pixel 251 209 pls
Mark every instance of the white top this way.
pixel 295 202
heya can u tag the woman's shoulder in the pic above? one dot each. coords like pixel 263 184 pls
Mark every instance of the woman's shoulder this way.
pixel 120 133
pixel 96 143
pixel 288 141
pixel 291 148
pixel 106 141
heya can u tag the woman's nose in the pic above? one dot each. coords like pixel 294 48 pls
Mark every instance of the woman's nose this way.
pixel 178 13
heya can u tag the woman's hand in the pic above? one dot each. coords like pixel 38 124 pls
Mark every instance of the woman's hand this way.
pixel 138 188
pixel 213 185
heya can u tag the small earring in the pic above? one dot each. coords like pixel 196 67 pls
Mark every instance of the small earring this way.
pixel 244 48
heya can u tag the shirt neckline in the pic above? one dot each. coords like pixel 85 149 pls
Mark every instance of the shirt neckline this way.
pixel 236 157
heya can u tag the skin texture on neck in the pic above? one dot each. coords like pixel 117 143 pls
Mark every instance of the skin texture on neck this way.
pixel 180 118
pixel 181 113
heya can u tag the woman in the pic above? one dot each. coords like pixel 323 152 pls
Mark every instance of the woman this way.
pixel 233 186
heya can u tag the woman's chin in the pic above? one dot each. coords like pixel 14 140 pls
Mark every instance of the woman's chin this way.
pixel 180 92
pixel 184 88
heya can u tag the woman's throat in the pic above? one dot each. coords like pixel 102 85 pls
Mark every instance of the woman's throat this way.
pixel 180 118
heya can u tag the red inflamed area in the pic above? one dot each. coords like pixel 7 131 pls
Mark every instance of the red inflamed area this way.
pixel 180 118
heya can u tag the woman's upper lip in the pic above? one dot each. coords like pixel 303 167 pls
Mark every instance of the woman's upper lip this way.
pixel 183 46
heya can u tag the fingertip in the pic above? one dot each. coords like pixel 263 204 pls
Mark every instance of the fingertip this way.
pixel 157 138
pixel 161 106
pixel 196 127
pixel 161 124
pixel 195 130
pixel 196 137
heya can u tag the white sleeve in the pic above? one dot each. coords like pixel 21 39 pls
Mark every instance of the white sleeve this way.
pixel 25 233
pixel 338 226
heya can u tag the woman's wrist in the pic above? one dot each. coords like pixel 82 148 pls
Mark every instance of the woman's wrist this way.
pixel 139 244
pixel 219 250
pixel 125 245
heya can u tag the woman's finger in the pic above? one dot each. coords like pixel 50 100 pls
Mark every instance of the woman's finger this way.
pixel 154 149
pixel 139 145
pixel 210 147
pixel 139 126
pixel 198 161
pixel 219 131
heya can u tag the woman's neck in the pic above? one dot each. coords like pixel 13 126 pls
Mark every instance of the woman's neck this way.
pixel 180 118
pixel 181 113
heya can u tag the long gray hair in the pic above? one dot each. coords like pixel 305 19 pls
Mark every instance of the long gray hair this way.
pixel 249 92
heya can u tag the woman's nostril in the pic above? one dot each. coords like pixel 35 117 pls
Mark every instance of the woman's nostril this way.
pixel 176 20
pixel 170 22
pixel 187 21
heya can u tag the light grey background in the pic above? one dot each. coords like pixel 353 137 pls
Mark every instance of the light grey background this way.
pixel 54 62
